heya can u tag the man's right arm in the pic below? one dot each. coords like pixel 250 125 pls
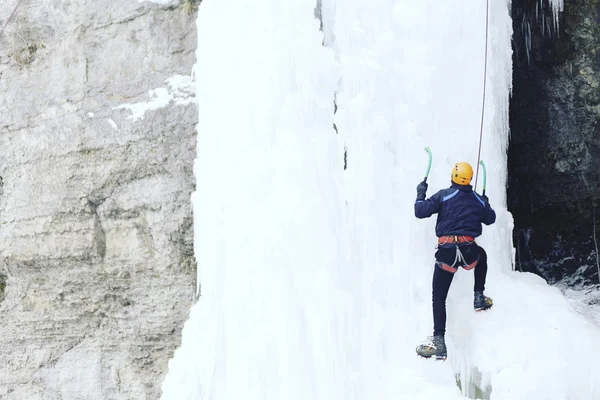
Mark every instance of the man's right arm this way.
pixel 489 215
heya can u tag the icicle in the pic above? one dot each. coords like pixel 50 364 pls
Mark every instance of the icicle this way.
pixel 557 6
pixel 527 34
pixel 543 26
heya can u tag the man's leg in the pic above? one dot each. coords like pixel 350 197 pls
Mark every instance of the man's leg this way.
pixel 480 301
pixel 441 284
pixel 480 271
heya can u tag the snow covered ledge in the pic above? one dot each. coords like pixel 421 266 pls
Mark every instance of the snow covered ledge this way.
pixel 316 279
pixel 178 92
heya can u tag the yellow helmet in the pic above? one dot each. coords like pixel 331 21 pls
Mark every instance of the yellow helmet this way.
pixel 462 173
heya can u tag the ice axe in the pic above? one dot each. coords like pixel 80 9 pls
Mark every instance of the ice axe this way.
pixel 484 176
pixel 428 150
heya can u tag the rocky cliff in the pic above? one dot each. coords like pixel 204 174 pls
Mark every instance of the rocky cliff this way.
pixel 97 142
pixel 554 155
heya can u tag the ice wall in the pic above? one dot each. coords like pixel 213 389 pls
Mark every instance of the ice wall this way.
pixel 316 277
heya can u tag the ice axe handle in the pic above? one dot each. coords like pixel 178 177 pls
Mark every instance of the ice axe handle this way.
pixel 484 176
pixel 428 150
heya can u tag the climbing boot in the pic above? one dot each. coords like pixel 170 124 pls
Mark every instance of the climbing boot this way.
pixel 481 302
pixel 436 347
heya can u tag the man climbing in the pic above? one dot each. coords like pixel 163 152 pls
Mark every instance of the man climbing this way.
pixel 460 213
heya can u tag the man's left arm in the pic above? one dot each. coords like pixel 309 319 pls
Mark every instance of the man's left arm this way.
pixel 425 208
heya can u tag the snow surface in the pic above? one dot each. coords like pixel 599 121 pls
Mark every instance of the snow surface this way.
pixel 162 2
pixel 316 279
pixel 585 301
pixel 113 124
pixel 179 91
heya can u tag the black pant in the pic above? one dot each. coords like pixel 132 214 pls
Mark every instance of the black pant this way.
pixel 443 278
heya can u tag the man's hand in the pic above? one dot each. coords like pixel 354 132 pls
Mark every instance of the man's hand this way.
pixel 422 190
pixel 486 200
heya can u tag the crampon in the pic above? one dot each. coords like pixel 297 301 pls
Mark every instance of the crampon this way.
pixel 435 347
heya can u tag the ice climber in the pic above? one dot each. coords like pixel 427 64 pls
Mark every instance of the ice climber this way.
pixel 460 213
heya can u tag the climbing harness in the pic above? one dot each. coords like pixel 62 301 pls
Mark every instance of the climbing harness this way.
pixel 459 258
pixel 459 261
pixel 487 8
pixel 442 240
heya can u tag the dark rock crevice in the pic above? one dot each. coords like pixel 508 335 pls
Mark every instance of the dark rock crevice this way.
pixel 554 153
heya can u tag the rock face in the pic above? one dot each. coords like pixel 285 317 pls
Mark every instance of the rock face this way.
pixel 554 155
pixel 97 272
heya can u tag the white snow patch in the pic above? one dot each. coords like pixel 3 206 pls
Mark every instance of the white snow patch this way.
pixel 586 301
pixel 91 114
pixel 162 2
pixel 180 90
pixel 113 124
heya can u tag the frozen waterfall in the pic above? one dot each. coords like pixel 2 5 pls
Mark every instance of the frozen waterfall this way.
pixel 315 275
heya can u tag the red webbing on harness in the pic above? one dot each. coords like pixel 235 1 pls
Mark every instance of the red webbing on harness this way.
pixel 455 239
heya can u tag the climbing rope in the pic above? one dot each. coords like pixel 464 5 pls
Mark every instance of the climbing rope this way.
pixel 12 14
pixel 487 12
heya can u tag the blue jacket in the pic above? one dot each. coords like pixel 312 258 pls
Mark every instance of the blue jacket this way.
pixel 460 211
